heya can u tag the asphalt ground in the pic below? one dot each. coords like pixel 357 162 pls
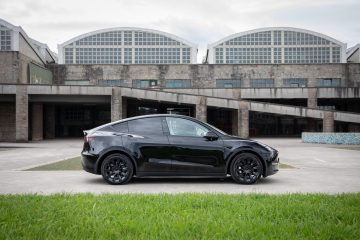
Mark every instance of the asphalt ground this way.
pixel 318 169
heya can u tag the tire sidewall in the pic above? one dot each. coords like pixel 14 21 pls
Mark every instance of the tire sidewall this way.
pixel 128 163
pixel 232 168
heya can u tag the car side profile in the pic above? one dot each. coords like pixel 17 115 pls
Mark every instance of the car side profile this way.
pixel 173 146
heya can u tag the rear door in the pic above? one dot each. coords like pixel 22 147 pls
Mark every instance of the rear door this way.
pixel 147 141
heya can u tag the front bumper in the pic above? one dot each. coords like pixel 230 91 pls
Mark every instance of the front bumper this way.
pixel 273 165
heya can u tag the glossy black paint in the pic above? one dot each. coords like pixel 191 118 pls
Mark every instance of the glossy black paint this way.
pixel 154 151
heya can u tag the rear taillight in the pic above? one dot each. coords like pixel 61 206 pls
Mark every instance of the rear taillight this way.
pixel 87 139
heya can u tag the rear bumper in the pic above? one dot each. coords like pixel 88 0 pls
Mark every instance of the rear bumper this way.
pixel 88 162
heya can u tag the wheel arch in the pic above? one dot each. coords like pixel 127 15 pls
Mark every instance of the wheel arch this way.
pixel 112 151
pixel 246 150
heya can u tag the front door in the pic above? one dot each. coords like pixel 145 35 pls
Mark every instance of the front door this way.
pixel 191 152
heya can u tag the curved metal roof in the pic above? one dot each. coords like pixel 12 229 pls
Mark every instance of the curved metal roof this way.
pixel 169 35
pixel 276 29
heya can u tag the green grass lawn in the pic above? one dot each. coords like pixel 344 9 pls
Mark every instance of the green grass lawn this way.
pixel 180 216
pixel 75 164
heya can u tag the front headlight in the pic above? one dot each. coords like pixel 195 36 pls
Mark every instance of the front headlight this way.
pixel 269 149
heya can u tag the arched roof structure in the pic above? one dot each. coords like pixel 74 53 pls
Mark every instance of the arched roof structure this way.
pixel 126 45
pixel 277 45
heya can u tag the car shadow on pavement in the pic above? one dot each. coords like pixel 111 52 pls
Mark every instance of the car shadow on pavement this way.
pixel 185 180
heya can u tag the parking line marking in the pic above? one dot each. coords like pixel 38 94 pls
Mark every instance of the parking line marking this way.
pixel 318 159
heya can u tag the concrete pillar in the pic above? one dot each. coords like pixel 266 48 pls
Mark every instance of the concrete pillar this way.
pixel 21 114
pixel 278 81
pixel 245 82
pixel 116 104
pixel 311 82
pixel 236 93
pixel 240 120
pixel 312 98
pixel 328 122
pixel 49 122
pixel 201 109
pixel 244 119
pixel 37 122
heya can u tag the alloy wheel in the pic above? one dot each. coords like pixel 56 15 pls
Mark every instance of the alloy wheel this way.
pixel 116 170
pixel 246 168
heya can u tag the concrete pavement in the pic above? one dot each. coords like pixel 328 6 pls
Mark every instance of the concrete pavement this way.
pixel 319 169
pixel 20 156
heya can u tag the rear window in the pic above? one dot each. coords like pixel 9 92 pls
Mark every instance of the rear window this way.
pixel 146 126
pixel 121 127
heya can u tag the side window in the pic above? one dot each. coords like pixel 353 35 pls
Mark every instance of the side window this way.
pixel 184 127
pixel 121 127
pixel 146 126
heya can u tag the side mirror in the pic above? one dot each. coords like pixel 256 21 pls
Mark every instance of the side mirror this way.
pixel 211 136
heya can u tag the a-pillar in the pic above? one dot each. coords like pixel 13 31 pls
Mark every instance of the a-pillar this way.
pixel 37 122
pixel 201 109
pixel 240 120
pixel 116 104
pixel 22 116
pixel 49 121
pixel 328 122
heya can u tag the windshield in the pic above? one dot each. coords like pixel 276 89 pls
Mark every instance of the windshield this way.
pixel 220 131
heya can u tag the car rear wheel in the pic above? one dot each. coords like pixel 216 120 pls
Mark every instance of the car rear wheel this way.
pixel 246 168
pixel 117 169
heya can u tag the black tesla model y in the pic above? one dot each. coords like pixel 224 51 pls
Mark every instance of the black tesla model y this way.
pixel 173 145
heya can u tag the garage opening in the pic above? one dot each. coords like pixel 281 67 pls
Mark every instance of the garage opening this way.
pixel 70 120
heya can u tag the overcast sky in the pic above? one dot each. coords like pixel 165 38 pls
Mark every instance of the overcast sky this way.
pixel 199 21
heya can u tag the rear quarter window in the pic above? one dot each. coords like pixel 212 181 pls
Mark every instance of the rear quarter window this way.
pixel 146 126
pixel 121 127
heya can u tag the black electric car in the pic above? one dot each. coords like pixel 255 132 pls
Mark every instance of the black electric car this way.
pixel 173 145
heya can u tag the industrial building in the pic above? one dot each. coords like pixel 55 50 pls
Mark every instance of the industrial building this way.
pixel 277 46
pixel 127 46
pixel 264 82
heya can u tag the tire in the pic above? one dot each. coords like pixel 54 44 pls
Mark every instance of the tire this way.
pixel 246 168
pixel 117 169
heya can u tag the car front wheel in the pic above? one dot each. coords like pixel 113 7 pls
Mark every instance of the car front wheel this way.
pixel 246 168
pixel 117 169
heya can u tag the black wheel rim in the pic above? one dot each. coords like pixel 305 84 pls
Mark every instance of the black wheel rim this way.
pixel 116 170
pixel 247 169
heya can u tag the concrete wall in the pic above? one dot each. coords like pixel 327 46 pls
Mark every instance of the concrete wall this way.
pixel 353 72
pixel 204 76
pixel 14 67
pixel 273 93
pixel 9 67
